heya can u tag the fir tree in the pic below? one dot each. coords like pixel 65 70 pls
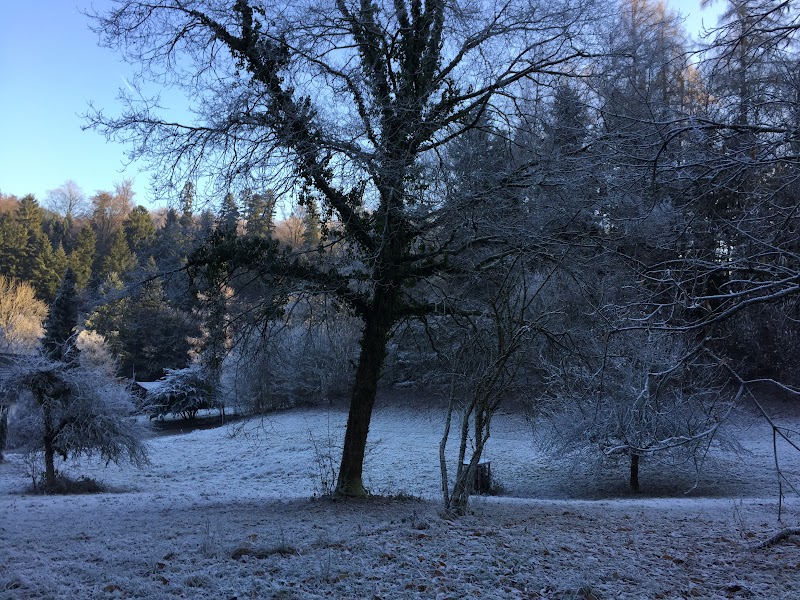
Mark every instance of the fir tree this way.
pixel 187 198
pixel 228 220
pixel 311 232
pixel 32 251
pixel 140 231
pixel 260 209
pixel 206 223
pixel 43 274
pixel 59 330
pixel 13 237
pixel 82 256
pixel 55 270
pixel 120 259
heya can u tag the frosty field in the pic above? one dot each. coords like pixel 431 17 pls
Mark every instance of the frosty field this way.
pixel 234 512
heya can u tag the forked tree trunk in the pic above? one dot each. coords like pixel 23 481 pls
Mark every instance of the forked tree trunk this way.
pixel 378 323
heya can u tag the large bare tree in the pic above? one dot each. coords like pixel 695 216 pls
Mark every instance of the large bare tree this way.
pixel 348 100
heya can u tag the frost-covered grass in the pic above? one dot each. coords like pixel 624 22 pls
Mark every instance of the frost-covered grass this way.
pixel 231 513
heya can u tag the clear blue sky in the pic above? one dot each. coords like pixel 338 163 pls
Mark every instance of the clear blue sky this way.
pixel 51 67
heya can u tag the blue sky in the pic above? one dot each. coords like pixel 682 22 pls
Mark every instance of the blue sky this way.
pixel 51 67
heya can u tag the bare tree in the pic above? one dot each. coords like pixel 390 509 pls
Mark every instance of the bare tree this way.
pixel 348 99
pixel 485 358
pixel 109 211
pixel 734 170
pixel 68 200
pixel 642 395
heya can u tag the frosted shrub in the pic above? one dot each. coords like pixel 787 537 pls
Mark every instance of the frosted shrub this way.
pixel 69 409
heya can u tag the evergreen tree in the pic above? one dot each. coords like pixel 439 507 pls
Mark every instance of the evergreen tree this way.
pixel 34 255
pixel 311 231
pixel 206 223
pixel 155 335
pixel 13 237
pixel 259 211
pixel 108 317
pixel 29 214
pixel 187 198
pixel 82 256
pixel 140 232
pixel 169 243
pixel 144 332
pixel 568 120
pixel 228 220
pixel 58 264
pixel 120 259
pixel 43 274
pixel 186 204
pixel 59 330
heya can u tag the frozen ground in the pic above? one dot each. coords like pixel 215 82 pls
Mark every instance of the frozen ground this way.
pixel 231 513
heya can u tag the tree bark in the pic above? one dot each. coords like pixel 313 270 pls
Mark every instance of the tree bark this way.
pixel 634 480
pixel 49 450
pixel 377 324
pixel 3 429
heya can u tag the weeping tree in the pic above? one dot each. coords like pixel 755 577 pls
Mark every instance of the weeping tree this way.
pixel 346 102
pixel 65 407
pixel 185 392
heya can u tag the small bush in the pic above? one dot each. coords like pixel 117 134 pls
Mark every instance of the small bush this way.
pixel 65 486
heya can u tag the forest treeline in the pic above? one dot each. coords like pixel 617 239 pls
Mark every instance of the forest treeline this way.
pixel 129 264
pixel 569 203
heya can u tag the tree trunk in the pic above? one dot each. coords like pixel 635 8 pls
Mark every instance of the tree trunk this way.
pixel 634 481
pixel 377 324
pixel 49 464
pixel 3 429
pixel 49 450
